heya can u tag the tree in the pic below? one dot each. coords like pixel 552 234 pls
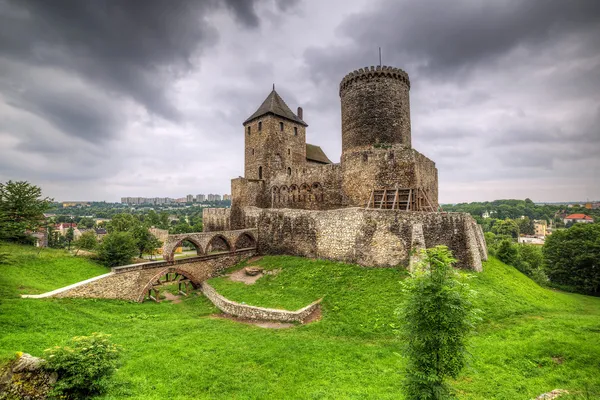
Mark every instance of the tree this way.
pixel 122 223
pixel 69 236
pixel 87 241
pixel 572 258
pixel 437 316
pixel 117 248
pixel 86 222
pixel 144 240
pixel 507 252
pixel 21 209
pixel 506 227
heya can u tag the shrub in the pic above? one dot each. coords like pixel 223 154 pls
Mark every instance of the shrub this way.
pixel 84 366
pixel 437 316
pixel 572 258
pixel 117 248
pixel 507 252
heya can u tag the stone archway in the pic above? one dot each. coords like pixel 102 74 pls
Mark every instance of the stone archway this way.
pixel 218 244
pixel 245 241
pixel 169 249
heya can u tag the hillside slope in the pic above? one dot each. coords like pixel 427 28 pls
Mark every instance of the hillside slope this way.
pixel 532 340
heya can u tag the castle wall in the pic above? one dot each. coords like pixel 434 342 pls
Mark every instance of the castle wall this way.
pixel 380 238
pixel 375 108
pixel 396 167
pixel 216 219
pixel 246 193
pixel 312 187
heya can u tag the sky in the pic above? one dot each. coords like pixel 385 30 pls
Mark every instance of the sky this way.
pixel 105 99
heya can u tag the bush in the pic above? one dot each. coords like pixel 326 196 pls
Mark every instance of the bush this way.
pixel 437 316
pixel 572 258
pixel 117 248
pixel 507 252
pixel 84 366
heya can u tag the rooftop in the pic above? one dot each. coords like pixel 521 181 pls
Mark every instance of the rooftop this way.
pixel 275 105
pixel 316 154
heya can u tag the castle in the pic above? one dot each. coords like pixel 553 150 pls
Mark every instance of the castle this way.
pixel 372 208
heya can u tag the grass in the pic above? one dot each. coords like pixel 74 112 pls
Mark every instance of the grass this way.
pixel 532 340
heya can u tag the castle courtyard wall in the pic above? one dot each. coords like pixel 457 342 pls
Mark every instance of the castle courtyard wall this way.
pixel 375 238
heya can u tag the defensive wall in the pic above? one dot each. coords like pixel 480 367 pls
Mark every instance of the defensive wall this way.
pixel 206 242
pixel 369 237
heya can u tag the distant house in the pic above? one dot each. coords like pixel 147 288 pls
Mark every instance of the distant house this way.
pixel 540 228
pixel 100 233
pixel 578 218
pixel 531 240
pixel 63 227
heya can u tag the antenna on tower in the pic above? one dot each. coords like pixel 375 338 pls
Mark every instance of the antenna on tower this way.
pixel 380 57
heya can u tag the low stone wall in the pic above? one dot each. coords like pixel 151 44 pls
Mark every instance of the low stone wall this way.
pixel 131 282
pixel 369 237
pixel 251 312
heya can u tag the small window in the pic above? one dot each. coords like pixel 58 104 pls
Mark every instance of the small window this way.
pixel 259 172
pixel 289 152
pixel 252 151
pixel 365 157
pixel 295 131
pixel 289 171
pixel 259 126
pixel 249 129
pixel 281 126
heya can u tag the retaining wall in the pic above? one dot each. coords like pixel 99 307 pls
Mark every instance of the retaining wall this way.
pixel 251 312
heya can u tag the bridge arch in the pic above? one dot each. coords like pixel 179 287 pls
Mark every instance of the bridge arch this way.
pixel 218 243
pixel 169 248
pixel 245 240
pixel 155 280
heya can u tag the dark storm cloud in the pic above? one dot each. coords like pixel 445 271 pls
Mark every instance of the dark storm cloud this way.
pixel 442 37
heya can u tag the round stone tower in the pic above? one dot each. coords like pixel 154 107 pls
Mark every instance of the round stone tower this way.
pixel 375 108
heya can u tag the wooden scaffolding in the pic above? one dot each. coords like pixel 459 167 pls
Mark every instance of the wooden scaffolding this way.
pixel 407 199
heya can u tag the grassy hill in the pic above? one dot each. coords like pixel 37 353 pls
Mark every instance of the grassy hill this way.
pixel 532 340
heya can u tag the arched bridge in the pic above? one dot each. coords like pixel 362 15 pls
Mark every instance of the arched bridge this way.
pixel 212 242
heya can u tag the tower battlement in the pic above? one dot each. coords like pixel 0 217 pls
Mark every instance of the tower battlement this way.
pixel 373 72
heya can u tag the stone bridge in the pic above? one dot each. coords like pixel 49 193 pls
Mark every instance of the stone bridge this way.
pixel 212 242
pixel 135 282
pixel 216 251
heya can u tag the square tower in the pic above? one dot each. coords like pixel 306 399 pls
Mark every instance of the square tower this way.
pixel 275 140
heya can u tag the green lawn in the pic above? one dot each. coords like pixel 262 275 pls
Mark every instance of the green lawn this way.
pixel 532 340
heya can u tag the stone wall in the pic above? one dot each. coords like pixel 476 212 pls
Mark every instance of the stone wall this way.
pixel 379 238
pixel 132 282
pixel 396 167
pixel 251 312
pixel 216 219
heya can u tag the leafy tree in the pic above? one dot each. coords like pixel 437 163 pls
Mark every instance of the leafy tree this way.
pixel 69 236
pixel 117 248
pixel 152 218
pixel 86 222
pixel 181 228
pixel 572 258
pixel 437 316
pixel 144 240
pixel 21 209
pixel 526 226
pixel 122 223
pixel 506 227
pixel 87 241
pixel 507 252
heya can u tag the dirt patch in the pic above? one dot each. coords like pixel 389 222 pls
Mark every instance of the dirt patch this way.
pixel 259 323
pixel 241 276
pixel 171 297
pixel 313 316
pixel 558 360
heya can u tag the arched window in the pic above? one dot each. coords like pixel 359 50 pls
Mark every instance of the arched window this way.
pixel 289 171
pixel 281 126
pixel 249 129
pixel 260 172
pixel 259 126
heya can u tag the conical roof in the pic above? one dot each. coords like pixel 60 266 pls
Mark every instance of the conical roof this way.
pixel 275 105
